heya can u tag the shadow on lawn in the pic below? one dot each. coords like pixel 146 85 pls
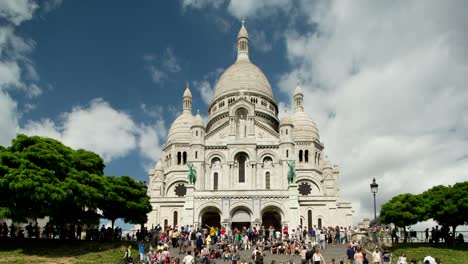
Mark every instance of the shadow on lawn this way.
pixel 60 248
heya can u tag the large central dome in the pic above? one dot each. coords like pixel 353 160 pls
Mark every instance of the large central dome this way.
pixel 243 75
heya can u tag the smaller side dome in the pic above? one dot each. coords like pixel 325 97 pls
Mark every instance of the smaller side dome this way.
pixel 304 127
pixel 180 129
pixel 198 121
pixel 286 120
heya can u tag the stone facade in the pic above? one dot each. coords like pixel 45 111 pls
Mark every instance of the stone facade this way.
pixel 241 156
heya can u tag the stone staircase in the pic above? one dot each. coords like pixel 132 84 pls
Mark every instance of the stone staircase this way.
pixel 337 252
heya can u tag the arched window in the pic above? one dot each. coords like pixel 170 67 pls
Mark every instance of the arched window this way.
pixel 309 218
pixel 196 154
pixel 319 222
pixel 306 156
pixel 165 224
pixel 241 158
pixel 185 157
pixel 286 131
pixel 215 181
pixel 300 155
pixel 176 215
pixel 196 133
pixel 315 159
pixel 267 180
pixel 179 158
pixel 287 153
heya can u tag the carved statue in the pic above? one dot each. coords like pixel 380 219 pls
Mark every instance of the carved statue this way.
pixel 192 173
pixel 291 171
pixel 242 127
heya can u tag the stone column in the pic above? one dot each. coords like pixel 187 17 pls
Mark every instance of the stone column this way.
pixel 188 217
pixel 293 207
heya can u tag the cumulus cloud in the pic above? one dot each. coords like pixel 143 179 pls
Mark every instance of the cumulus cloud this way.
pixel 160 66
pixel 17 11
pixel 97 127
pixel 8 118
pixel 17 72
pixel 260 41
pixel 103 129
pixel 206 86
pixel 387 87
pixel 253 9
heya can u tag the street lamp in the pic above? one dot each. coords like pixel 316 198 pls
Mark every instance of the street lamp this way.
pixel 374 187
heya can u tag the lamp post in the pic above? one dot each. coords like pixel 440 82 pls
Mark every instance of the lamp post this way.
pixel 374 188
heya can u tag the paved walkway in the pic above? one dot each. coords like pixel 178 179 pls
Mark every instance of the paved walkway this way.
pixel 338 253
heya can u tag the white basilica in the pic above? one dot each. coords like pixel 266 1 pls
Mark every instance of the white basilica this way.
pixel 240 157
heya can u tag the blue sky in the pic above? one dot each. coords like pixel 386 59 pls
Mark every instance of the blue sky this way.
pixel 384 81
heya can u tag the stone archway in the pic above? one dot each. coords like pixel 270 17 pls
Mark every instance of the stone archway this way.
pixel 271 216
pixel 210 216
pixel 241 218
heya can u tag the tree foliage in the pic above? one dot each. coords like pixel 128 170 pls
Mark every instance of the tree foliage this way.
pixel 447 205
pixel 403 210
pixel 42 177
pixel 125 198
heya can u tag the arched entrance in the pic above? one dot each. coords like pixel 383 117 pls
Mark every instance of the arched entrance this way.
pixel 271 216
pixel 240 218
pixel 211 217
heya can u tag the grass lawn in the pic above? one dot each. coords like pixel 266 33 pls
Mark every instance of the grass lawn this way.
pixel 63 252
pixel 447 255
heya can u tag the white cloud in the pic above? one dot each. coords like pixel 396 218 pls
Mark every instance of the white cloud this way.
pixel 45 128
pixel 260 41
pixel 97 127
pixel 201 3
pixel 254 9
pixel 107 131
pixel 205 87
pixel 51 5
pixel 251 9
pixel 8 118
pixel 17 11
pixel 386 82
pixel 17 70
pixel 170 62
pixel 156 75
pixel 10 74
pixel 159 67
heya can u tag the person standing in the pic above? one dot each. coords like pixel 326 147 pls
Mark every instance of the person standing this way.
pixel 317 258
pixel 189 259
pixel 358 257
pixel 350 254
pixel 141 251
pixel 128 254
pixel 376 256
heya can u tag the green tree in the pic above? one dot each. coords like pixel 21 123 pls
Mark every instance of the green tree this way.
pixel 42 177
pixel 125 198
pixel 448 205
pixel 403 210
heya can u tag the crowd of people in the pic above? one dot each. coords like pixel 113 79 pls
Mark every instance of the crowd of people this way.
pixel 209 244
pixel 72 231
